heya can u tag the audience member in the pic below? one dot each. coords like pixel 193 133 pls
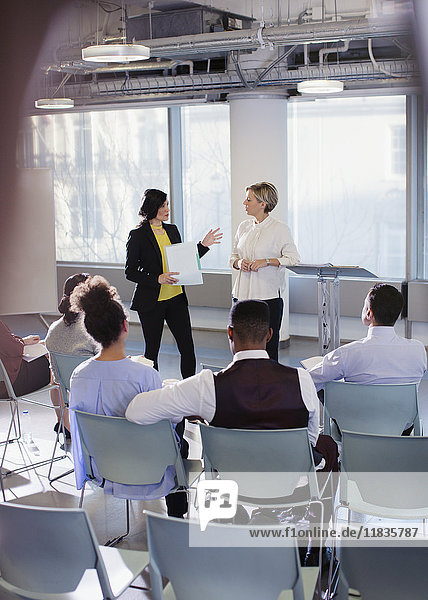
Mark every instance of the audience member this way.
pixel 68 334
pixel 105 384
pixel 24 376
pixel 382 356
pixel 253 392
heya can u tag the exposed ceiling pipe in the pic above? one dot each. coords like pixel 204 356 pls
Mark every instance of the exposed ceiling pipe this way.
pixel 376 64
pixel 288 35
pixel 83 68
pixel 325 51
pixel 281 76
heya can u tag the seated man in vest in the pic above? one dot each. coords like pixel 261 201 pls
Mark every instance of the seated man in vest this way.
pixel 382 356
pixel 253 392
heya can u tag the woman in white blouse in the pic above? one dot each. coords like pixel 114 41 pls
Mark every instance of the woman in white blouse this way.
pixel 263 247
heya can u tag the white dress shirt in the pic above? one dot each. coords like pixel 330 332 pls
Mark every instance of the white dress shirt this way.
pixel 381 357
pixel 253 241
pixel 195 396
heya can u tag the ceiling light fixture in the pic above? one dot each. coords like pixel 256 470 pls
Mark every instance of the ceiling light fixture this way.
pixel 115 53
pixel 54 103
pixel 320 86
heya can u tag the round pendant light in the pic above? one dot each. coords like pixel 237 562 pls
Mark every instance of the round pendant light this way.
pixel 54 103
pixel 120 53
pixel 320 86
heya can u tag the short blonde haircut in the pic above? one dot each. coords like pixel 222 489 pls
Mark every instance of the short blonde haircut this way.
pixel 265 192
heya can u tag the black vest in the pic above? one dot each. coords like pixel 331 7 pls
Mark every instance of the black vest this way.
pixel 259 394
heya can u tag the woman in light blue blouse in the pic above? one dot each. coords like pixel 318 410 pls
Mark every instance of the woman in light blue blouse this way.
pixel 106 383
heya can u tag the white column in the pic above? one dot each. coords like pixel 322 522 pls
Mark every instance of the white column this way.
pixel 258 149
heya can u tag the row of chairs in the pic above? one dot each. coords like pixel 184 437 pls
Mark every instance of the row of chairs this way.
pixel 250 458
pixel 368 569
pixel 36 564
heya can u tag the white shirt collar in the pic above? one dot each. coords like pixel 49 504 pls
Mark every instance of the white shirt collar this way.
pixel 264 223
pixel 244 354
pixel 381 331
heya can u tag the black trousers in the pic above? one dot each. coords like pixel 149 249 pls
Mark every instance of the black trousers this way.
pixel 176 314
pixel 31 377
pixel 276 308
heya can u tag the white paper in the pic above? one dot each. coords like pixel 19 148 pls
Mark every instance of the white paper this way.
pixel 33 351
pixel 308 363
pixel 143 360
pixel 183 259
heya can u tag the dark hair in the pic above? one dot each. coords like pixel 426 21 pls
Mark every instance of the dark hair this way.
pixel 250 320
pixel 386 303
pixel 104 313
pixel 151 202
pixel 64 305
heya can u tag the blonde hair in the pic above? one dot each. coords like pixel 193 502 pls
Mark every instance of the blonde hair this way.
pixel 265 192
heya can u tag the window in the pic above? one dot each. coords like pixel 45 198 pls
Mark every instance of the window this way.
pixel 398 149
pixel 347 186
pixel 206 178
pixel 102 162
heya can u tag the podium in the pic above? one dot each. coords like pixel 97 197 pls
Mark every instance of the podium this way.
pixel 329 299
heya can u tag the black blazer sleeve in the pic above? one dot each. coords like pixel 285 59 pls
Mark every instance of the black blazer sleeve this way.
pixel 202 250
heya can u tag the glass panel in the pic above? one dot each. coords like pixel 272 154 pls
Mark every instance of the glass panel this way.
pixel 347 182
pixel 206 178
pixel 102 162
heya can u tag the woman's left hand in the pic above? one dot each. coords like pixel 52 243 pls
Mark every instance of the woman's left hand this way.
pixel 213 237
pixel 257 264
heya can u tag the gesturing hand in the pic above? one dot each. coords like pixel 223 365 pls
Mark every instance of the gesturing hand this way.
pixel 166 278
pixel 212 237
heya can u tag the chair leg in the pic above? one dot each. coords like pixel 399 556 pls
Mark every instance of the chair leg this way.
pixel 11 424
pixel 119 538
pixel 69 472
pixel 2 485
pixel 81 495
pixel 15 421
pixel 331 573
pixel 53 459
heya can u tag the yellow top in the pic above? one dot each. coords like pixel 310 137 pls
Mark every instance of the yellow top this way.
pixel 167 291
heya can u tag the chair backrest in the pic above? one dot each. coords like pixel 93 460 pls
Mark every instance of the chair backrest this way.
pixel 64 365
pixel 389 471
pixel 5 378
pixel 384 572
pixel 128 453
pixel 265 463
pixel 46 550
pixel 213 368
pixel 232 573
pixel 383 409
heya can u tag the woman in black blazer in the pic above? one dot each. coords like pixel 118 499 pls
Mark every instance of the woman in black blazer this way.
pixel 155 299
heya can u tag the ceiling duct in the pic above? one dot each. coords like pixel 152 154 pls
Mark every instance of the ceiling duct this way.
pixel 187 21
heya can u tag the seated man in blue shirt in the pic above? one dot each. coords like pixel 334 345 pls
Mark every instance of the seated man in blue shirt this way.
pixel 382 356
